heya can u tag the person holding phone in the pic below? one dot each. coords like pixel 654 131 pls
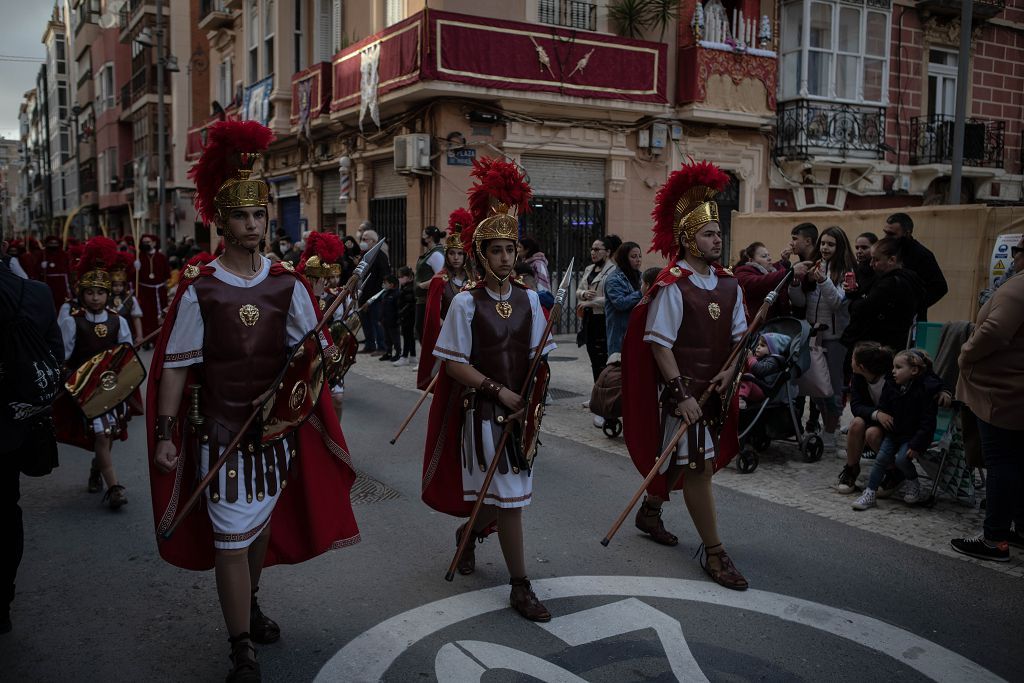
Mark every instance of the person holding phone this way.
pixel 823 295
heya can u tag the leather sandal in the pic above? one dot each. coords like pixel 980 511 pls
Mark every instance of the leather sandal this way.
pixel 524 601
pixel 726 575
pixel 467 561
pixel 648 520
pixel 244 667
pixel 95 478
pixel 262 629
pixel 115 497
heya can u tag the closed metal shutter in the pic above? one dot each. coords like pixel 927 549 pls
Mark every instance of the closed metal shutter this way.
pixel 387 183
pixel 330 189
pixel 565 176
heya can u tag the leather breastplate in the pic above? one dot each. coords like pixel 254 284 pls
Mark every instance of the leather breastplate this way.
pixel 448 293
pixel 244 343
pixel 91 338
pixel 501 347
pixel 704 339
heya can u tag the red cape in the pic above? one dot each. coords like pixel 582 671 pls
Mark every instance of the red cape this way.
pixel 641 416
pixel 313 513
pixel 57 275
pixel 431 328
pixel 442 453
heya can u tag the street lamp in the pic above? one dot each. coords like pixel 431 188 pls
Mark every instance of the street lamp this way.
pixel 164 63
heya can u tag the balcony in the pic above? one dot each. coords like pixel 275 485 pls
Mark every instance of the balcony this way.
pixel 719 84
pixel 808 128
pixel 214 14
pixel 311 94
pixel 568 13
pixel 932 140
pixel 983 9
pixel 443 48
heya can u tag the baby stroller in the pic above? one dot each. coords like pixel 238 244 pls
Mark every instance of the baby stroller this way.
pixel 775 418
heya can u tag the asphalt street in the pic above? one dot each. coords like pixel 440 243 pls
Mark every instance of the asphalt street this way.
pixel 828 602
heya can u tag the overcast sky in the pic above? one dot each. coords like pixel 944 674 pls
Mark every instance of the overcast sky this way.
pixel 21 31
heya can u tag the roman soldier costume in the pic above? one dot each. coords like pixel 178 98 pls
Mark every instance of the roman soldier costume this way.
pixel 321 263
pixel 231 335
pixel 154 272
pixel 123 271
pixel 443 288
pixel 699 317
pixel 54 269
pixel 497 334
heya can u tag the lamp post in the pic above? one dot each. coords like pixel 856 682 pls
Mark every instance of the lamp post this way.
pixel 164 63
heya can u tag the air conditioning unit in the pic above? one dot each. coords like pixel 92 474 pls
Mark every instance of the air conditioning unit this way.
pixel 412 154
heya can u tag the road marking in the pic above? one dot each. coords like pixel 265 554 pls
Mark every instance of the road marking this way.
pixel 368 656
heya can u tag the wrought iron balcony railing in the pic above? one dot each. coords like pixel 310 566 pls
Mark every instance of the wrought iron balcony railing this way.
pixel 932 141
pixel 806 128
pixel 568 13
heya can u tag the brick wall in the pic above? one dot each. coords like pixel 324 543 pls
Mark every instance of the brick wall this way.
pixel 997 78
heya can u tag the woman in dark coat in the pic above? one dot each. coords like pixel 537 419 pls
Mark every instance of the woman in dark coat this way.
pixel 886 311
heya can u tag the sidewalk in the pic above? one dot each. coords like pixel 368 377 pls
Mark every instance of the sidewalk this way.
pixel 782 477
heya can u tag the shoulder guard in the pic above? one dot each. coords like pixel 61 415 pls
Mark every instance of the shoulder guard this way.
pixel 443 276
pixel 287 265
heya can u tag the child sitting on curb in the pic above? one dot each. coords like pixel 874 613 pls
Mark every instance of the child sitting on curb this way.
pixel 907 410
pixel 871 364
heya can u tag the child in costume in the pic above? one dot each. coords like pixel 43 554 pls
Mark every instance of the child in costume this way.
pixel 88 330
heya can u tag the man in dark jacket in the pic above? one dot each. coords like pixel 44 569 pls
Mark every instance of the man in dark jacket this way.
pixel 374 282
pixel 919 259
pixel 36 304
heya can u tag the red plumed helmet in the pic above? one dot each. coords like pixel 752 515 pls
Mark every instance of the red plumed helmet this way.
pixel 322 255
pixel 683 204
pixel 460 230
pixel 98 258
pixel 232 148
pixel 501 190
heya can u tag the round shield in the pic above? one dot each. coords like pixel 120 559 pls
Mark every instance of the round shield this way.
pixel 296 392
pixel 106 380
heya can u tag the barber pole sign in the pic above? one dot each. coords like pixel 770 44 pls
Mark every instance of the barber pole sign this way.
pixel 344 175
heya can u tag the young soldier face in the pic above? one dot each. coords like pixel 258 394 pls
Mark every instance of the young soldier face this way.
pixel 94 298
pixel 456 258
pixel 501 257
pixel 246 226
pixel 709 241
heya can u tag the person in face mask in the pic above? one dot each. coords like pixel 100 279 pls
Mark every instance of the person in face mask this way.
pixel 154 272
pixel 54 269
pixel 288 250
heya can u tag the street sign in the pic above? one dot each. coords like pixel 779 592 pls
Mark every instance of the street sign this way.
pixel 461 157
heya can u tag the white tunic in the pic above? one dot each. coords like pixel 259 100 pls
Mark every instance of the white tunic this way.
pixel 664 318
pixel 455 344
pixel 238 524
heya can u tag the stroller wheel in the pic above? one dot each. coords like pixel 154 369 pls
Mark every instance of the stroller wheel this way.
pixel 747 462
pixel 760 441
pixel 812 447
pixel 612 427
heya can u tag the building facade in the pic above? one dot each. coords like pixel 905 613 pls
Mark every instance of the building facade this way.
pixel 867 96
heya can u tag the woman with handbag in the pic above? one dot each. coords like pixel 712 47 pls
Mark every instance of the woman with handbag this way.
pixel 822 294
pixel 591 298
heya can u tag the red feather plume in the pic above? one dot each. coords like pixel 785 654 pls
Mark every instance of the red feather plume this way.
pixel 126 262
pixel 227 143
pixel 326 245
pixel 498 180
pixel 99 252
pixel 679 182
pixel 459 220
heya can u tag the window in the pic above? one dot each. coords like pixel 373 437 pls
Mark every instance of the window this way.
pixel 328 29
pixel 62 65
pixel 298 40
pixel 254 41
pixel 65 146
pixel 225 84
pixel 268 39
pixel 394 11
pixel 835 49
pixel 106 89
pixel 942 68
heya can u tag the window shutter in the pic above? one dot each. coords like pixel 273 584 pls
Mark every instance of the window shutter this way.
pixel 337 26
pixel 386 182
pixel 565 176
